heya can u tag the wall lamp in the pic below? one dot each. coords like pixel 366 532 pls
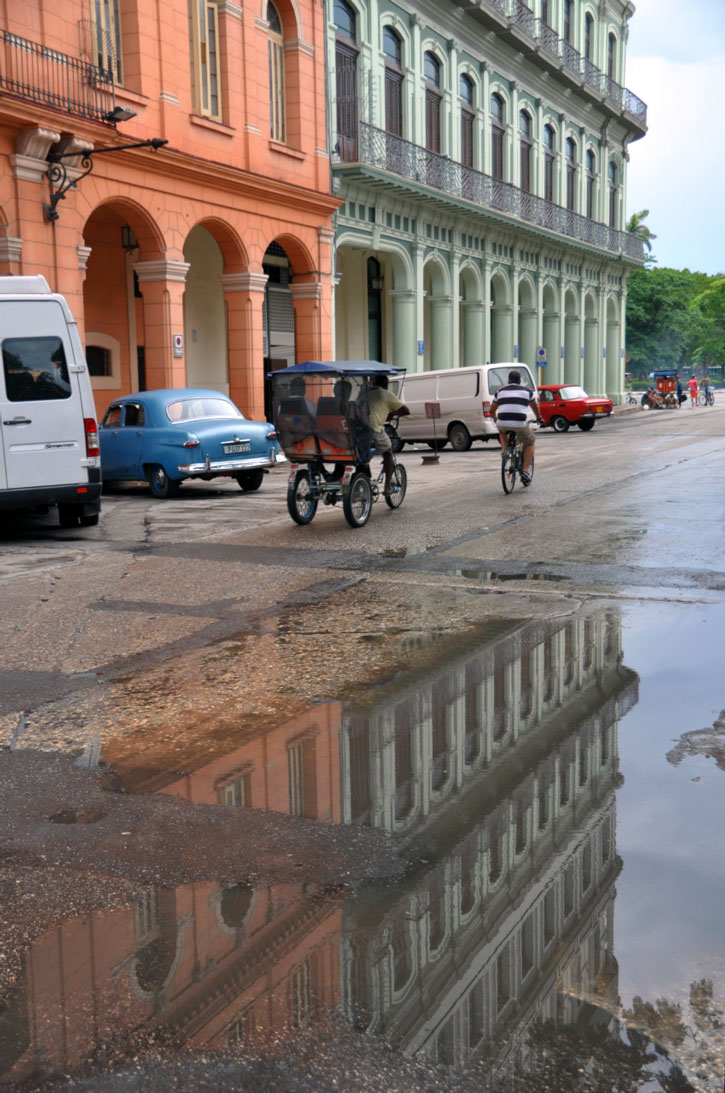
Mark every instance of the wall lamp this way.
pixel 118 114
pixel 61 181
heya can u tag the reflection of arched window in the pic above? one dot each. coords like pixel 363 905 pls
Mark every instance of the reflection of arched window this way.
pixel 432 72
pixel 236 903
pixel 548 163
pixel 570 174
pixel 346 52
pixel 591 179
pixel 155 937
pixel 276 75
pixel 497 135
pixel 613 180
pixel 525 150
pixel 393 50
pixel 402 963
pixel 467 116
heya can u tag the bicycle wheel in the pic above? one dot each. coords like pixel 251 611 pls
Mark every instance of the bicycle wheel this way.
pixel 710 400
pixel 702 398
pixel 508 470
pixel 301 504
pixel 357 501
pixel 399 483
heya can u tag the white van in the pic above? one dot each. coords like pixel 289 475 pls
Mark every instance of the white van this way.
pixel 464 396
pixel 48 434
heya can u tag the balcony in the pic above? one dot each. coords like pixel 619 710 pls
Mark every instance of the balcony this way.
pixel 45 76
pixel 515 20
pixel 393 155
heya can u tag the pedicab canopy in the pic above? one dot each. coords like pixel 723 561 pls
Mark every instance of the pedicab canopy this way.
pixel 321 409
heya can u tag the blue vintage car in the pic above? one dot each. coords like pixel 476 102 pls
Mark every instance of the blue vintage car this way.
pixel 169 435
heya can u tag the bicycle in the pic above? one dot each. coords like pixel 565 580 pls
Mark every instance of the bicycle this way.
pixel 630 399
pixel 512 464
pixel 707 397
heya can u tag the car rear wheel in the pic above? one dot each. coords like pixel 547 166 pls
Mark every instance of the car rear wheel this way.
pixel 250 480
pixel 160 484
pixel 69 515
pixel 459 437
pixel 559 424
pixel 586 425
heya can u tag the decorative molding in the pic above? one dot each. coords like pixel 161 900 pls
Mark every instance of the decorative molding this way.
pixel 326 235
pixel 10 248
pixel 168 96
pixel 28 168
pixel 84 253
pixel 243 282
pixel 36 143
pixel 306 290
pixel 294 44
pixel 228 7
pixel 161 269
pixel 261 24
pixel 252 128
pixel 322 152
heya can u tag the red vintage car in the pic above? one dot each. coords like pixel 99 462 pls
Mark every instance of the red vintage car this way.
pixel 565 404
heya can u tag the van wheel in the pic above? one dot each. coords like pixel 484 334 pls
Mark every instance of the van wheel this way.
pixel 159 482
pixel 459 437
pixel 559 424
pixel 89 521
pixel 437 445
pixel 69 515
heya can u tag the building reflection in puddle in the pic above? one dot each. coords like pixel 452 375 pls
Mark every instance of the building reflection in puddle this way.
pixel 496 770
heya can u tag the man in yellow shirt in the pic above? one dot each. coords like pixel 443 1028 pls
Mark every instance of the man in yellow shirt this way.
pixel 381 404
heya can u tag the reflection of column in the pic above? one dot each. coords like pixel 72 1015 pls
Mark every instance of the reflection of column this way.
pixel 440 331
pixel 307 298
pixel 244 299
pixel 404 329
pixel 473 332
pixel 162 286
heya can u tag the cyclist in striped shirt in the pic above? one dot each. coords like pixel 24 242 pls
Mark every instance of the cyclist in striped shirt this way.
pixel 509 410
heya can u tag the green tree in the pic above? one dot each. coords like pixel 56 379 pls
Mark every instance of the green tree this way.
pixel 663 328
pixel 709 306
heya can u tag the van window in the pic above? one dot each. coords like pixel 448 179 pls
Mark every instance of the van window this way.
pixel 35 369
pixel 463 386
pixel 498 377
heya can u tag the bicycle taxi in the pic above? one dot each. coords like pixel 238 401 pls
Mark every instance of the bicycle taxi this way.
pixel 321 417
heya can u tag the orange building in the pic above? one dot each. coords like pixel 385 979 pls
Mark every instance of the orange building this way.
pixel 205 261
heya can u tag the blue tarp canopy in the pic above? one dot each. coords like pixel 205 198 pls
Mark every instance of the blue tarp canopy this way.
pixel 345 368
pixel 663 375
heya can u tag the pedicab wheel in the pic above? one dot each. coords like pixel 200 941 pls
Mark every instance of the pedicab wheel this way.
pixel 399 483
pixel 357 501
pixel 301 505
pixel 508 471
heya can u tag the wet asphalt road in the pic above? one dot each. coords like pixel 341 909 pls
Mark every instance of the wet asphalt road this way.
pixel 178 631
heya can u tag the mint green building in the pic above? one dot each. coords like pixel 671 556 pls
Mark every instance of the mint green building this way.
pixel 480 148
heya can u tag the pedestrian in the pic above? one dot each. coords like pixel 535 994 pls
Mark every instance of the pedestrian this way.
pixel 692 384
pixel 678 389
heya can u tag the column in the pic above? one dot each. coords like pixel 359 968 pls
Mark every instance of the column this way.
pixel 440 331
pixel 307 298
pixel 162 284
pixel 244 302
pixel 592 357
pixel 405 347
pixel 455 357
pixel 473 332
pixel 487 309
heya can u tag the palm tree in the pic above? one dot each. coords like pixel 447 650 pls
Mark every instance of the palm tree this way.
pixel 636 226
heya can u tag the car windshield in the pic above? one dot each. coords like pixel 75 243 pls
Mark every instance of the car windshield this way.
pixel 572 392
pixel 191 409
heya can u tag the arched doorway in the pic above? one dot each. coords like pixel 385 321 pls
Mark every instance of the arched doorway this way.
pixel 278 317
pixel 205 325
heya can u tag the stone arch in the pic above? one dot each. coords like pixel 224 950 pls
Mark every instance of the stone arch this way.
pixel 289 12
pixel 437 313
pixel 300 257
pixel 471 314
pixel 398 300
pixel 593 379
pixel 572 337
pixel 552 332
pixel 150 242
pixel 528 321
pixel 231 245
pixel 501 317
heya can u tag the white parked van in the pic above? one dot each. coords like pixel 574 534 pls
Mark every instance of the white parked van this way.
pixel 464 396
pixel 48 434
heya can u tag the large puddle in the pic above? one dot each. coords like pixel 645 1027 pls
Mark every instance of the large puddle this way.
pixel 557 793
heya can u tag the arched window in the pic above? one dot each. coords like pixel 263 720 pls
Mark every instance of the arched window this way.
pixel 613 185
pixel 571 162
pixel 275 49
pixel 545 12
pixel 589 36
pixel 567 21
pixel 432 73
pixel 549 149
pixel 525 150
pixel 393 50
pixel 498 119
pixel 591 180
pixel 346 79
pixel 467 117
pixel 612 57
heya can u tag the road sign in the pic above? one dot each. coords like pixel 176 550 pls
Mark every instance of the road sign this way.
pixel 541 355
pixel 432 409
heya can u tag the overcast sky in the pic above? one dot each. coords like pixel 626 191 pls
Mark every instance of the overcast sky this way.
pixel 676 64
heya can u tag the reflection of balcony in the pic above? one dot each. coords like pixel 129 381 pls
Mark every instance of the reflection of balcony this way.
pixel 46 76
pixel 384 152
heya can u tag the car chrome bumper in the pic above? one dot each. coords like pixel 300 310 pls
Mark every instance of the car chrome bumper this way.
pixel 231 466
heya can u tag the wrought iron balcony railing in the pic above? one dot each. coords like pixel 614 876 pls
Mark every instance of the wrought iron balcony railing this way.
pixel 385 152
pixel 522 19
pixel 51 78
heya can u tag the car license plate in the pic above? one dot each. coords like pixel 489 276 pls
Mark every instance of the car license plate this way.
pixel 243 446
pixel 598 409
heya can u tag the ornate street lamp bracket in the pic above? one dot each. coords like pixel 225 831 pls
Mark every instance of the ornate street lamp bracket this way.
pixel 61 181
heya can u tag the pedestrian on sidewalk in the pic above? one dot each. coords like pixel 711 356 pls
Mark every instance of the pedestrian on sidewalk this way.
pixel 692 384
